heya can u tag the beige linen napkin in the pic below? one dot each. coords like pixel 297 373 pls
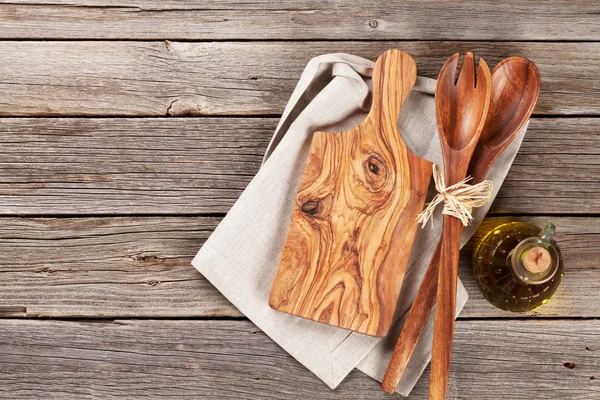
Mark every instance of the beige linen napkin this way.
pixel 241 256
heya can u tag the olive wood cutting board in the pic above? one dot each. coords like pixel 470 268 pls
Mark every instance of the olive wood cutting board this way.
pixel 353 223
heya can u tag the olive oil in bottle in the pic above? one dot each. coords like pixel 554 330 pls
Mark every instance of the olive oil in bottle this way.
pixel 517 266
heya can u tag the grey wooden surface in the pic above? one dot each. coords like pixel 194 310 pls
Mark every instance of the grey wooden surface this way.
pixel 201 165
pixel 140 267
pixel 128 129
pixel 170 78
pixel 233 359
pixel 547 20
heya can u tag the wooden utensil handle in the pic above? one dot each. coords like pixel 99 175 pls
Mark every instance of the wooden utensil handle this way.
pixel 394 75
pixel 445 308
pixel 414 324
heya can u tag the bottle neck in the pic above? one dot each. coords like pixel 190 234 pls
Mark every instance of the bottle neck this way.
pixel 534 261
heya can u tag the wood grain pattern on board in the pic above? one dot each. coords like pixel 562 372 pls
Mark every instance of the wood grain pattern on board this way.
pixel 233 360
pixel 353 223
pixel 141 267
pixel 299 19
pixel 60 166
pixel 246 78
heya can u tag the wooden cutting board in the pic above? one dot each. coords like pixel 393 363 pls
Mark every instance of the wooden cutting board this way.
pixel 353 223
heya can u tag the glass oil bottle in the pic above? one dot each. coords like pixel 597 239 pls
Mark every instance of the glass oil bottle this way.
pixel 518 266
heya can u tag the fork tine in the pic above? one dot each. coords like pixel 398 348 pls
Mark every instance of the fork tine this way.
pixel 483 72
pixel 466 76
pixel 447 76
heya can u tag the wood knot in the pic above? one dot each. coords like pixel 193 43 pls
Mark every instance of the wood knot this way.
pixel 184 108
pixel 47 271
pixel 375 172
pixel 144 259
pixel 374 168
pixel 311 207
pixel 373 23
pixel 569 364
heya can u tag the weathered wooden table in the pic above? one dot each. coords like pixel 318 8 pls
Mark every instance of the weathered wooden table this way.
pixel 128 129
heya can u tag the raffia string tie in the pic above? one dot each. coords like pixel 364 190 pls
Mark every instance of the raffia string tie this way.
pixel 459 199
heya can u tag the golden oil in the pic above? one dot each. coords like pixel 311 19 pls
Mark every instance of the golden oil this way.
pixel 518 266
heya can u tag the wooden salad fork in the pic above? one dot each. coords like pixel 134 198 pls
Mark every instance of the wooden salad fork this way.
pixel 515 90
pixel 461 109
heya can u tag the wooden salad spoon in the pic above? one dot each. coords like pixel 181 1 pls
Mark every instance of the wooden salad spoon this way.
pixel 515 91
pixel 461 109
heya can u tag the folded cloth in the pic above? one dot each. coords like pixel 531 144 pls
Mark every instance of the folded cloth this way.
pixel 241 256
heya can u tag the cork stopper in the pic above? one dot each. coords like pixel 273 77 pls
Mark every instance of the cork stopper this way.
pixel 537 260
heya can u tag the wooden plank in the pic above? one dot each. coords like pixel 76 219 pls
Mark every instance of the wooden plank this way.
pixel 535 185
pixel 225 78
pixel 140 267
pixel 103 267
pixel 341 19
pixel 106 166
pixel 234 360
pixel 55 166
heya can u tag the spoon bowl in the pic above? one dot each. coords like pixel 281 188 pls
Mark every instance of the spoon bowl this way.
pixel 515 90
